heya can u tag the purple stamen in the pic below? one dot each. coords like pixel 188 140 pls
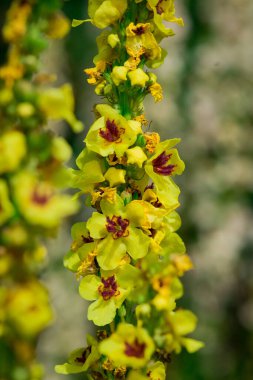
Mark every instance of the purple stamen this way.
pixel 112 132
pixel 109 288
pixel 117 226
pixel 160 164
pixel 135 349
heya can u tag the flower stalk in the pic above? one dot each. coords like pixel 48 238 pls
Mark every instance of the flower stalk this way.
pixel 127 255
pixel 32 177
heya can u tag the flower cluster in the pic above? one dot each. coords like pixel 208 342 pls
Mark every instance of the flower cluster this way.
pixel 128 254
pixel 32 175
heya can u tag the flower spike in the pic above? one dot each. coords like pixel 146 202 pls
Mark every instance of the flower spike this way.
pixel 128 254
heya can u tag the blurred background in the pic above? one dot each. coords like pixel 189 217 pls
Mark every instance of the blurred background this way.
pixel 208 84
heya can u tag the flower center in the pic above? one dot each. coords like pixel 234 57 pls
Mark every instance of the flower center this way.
pixel 159 8
pixel 160 164
pixel 117 226
pixel 139 30
pixel 135 349
pixel 41 196
pixel 112 132
pixel 109 288
pixel 82 359
pixel 87 239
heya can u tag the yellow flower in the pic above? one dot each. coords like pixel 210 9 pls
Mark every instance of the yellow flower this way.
pixel 164 163
pixel 164 10
pixel 129 345
pixel 111 133
pixel 28 309
pixel 138 77
pixel 152 140
pixel 58 103
pixel 119 74
pixel 142 120
pixel 108 193
pixel 14 69
pixel 115 176
pixel 180 323
pixel 105 52
pixel 12 150
pixel 140 40
pixel 106 12
pixel 25 109
pixel 96 73
pixel 156 91
pixel 132 63
pixel 155 371
pixel 58 26
pixel 81 359
pixel 182 263
pixel 108 292
pixel 39 203
pixel 113 40
pixel 136 156
pixel 16 24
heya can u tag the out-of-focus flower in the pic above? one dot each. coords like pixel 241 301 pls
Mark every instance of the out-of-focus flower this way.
pixel 129 345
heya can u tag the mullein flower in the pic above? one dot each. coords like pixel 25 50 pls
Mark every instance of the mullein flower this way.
pixel 27 308
pixel 155 371
pixel 111 133
pixel 108 291
pixel 164 10
pixel 163 164
pixel 106 12
pixel 13 150
pixel 38 201
pixel 140 40
pixel 81 359
pixel 178 324
pixel 119 232
pixel 129 345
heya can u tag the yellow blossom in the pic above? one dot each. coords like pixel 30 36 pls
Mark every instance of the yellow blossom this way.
pixel 16 24
pixel 106 12
pixel 156 91
pixel 140 40
pixel 108 193
pixel 136 156
pixel 132 62
pixel 119 74
pixel 58 26
pixel 115 176
pixel 152 140
pixel 138 77
pixel 12 150
pixel 113 40
pixel 96 73
pixel 142 120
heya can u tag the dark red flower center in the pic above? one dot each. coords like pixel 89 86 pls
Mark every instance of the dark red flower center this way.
pixel 117 226
pixel 161 166
pixel 109 288
pixel 41 197
pixel 112 131
pixel 135 349
pixel 139 30
pixel 82 359
pixel 159 8
pixel 87 239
